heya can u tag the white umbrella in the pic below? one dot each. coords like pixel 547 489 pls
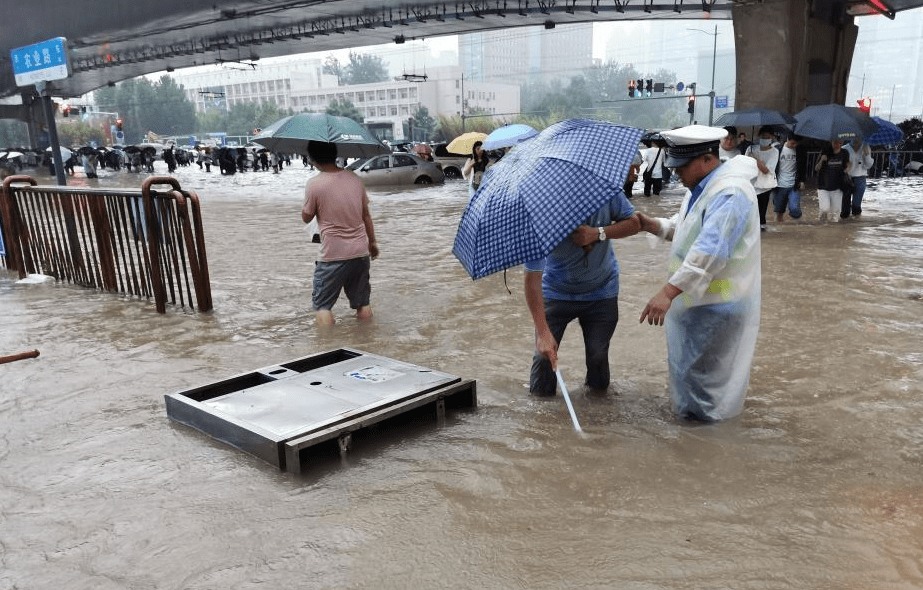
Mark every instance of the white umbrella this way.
pixel 65 153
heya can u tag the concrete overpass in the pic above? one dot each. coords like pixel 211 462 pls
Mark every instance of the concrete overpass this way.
pixel 790 53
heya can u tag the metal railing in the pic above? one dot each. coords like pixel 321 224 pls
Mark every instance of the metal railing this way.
pixel 146 243
pixel 887 163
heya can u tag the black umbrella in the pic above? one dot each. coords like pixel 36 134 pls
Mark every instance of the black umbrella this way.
pixel 754 118
pixel 834 121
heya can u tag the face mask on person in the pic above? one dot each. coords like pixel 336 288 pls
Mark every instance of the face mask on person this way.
pixel 765 142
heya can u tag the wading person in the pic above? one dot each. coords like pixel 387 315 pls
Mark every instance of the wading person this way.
pixel 792 166
pixel 338 199
pixel 860 160
pixel 475 167
pixel 831 167
pixel 767 158
pixel 578 280
pixel 711 302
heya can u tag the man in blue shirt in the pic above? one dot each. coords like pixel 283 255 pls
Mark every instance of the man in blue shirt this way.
pixel 579 280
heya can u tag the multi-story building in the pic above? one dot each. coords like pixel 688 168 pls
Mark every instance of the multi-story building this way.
pixel 527 53
pixel 302 86
pixel 278 82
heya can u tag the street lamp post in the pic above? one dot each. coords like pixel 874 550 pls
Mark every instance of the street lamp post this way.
pixel 714 55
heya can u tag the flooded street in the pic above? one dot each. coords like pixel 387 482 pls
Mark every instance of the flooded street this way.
pixel 817 485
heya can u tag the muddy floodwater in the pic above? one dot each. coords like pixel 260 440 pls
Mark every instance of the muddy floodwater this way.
pixel 817 485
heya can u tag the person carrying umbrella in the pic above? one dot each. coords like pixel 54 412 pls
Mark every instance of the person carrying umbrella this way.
pixel 832 168
pixel 338 199
pixel 710 305
pixel 579 280
pixel 475 167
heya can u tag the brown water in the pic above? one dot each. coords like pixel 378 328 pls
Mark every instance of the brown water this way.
pixel 819 484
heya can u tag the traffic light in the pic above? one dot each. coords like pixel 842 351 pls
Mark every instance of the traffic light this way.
pixel 649 87
pixel 865 105
pixel 118 124
pixel 640 87
pixel 631 89
pixel 690 105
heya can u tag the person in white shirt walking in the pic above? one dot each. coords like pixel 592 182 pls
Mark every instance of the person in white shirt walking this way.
pixel 790 179
pixel 860 160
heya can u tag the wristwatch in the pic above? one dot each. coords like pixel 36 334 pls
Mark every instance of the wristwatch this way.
pixel 602 233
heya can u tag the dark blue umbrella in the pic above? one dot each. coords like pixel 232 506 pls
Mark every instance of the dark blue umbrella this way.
pixel 834 121
pixel 754 118
pixel 888 133
pixel 539 193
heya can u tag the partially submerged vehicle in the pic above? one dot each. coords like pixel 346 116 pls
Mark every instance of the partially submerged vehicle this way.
pixel 396 169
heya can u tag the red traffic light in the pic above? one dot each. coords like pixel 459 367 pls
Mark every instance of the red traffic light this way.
pixel 690 105
pixel 118 124
pixel 865 105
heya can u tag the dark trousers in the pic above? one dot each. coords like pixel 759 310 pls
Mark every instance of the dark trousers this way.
pixel 597 320
pixel 628 187
pixel 655 183
pixel 762 200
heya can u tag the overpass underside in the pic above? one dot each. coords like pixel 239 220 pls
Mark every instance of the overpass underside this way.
pixel 790 53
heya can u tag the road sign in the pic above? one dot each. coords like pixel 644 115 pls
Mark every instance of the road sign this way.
pixel 721 102
pixel 40 62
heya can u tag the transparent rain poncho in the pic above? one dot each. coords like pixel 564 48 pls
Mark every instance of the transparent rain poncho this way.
pixel 712 326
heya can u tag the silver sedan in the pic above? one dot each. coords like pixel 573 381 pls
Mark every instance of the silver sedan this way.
pixel 397 169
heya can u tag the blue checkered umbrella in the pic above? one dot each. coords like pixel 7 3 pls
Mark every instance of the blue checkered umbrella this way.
pixel 888 133
pixel 539 193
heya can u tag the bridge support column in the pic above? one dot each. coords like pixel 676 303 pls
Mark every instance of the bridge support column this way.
pixel 793 53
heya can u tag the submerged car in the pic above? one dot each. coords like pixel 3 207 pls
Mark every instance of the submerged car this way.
pixel 397 169
pixel 452 164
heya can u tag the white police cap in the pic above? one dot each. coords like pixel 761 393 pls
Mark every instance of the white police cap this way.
pixel 691 141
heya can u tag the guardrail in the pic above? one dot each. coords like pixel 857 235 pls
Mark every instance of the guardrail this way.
pixel 146 243
pixel 887 163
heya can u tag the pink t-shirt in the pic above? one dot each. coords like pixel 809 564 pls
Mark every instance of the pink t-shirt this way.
pixel 338 199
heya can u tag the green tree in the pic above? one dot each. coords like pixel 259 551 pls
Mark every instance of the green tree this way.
pixel 912 128
pixel 344 108
pixel 365 68
pixel 424 126
pixel 333 67
pixel 161 107
pixel 13 134
pixel 241 119
pixel 215 120
pixel 169 111
pixel 75 133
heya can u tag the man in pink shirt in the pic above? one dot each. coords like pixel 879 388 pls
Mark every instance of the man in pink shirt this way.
pixel 337 198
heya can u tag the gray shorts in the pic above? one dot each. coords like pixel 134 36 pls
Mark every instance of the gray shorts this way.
pixel 352 276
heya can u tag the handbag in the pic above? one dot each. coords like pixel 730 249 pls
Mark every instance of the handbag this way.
pixel 649 173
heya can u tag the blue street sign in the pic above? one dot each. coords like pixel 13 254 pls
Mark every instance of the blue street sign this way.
pixel 721 102
pixel 40 62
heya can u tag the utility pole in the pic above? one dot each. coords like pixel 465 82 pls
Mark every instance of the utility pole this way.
pixel 711 94
pixel 714 56
pixel 463 101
